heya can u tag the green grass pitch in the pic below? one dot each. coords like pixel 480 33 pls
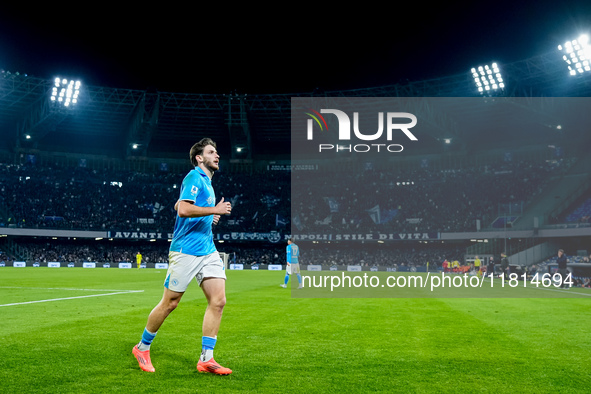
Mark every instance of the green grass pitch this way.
pixel 80 340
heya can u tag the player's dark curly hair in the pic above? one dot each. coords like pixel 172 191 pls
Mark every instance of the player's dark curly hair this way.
pixel 197 149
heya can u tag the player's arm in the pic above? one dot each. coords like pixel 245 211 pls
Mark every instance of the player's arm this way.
pixel 186 209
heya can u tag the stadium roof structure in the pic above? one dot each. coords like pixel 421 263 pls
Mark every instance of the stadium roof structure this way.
pixel 124 122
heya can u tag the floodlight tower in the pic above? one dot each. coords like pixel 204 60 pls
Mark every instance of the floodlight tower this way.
pixel 47 112
pixel 65 92
pixel 488 79
pixel 577 55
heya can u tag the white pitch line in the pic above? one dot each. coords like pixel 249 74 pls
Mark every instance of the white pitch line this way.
pixel 58 288
pixel 72 298
pixel 562 291
pixel 557 290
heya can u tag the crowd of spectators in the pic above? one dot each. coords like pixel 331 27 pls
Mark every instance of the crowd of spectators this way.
pixel 68 251
pixel 418 200
pixel 90 199
pixel 382 255
pixel 5 257
pixel 106 251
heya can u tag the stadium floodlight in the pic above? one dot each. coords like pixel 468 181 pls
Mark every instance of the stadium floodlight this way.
pixel 488 78
pixel 577 55
pixel 65 92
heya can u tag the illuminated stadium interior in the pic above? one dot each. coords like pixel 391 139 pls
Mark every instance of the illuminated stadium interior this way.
pixel 62 121
pixel 98 111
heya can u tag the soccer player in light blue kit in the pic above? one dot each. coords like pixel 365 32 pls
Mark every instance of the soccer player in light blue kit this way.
pixel 293 263
pixel 193 255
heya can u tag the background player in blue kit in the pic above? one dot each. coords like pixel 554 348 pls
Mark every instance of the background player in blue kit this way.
pixel 293 263
pixel 193 255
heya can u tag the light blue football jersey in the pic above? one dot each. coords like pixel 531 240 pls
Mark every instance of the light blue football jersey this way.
pixel 193 235
pixel 293 253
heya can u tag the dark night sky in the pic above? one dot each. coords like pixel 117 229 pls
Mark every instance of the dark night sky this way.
pixel 278 49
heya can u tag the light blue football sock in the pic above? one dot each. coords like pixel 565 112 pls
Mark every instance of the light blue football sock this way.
pixel 146 342
pixel 207 345
pixel 286 278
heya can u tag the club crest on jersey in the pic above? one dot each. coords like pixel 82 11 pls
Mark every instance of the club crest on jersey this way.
pixel 210 200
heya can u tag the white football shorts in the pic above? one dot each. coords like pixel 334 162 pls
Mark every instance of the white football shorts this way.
pixel 182 268
pixel 293 268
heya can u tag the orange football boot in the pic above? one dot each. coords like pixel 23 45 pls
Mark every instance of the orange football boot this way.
pixel 212 367
pixel 143 358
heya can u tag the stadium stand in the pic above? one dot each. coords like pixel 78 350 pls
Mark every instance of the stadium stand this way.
pixel 113 162
pixel 581 214
pixel 412 200
pixel 78 198
pixel 421 200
